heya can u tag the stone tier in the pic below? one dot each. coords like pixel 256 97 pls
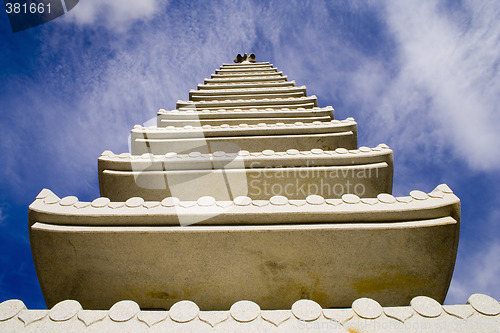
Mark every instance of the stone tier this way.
pixel 275 136
pixel 424 314
pixel 270 251
pixel 247 93
pixel 248 79
pixel 246 85
pixel 418 205
pixel 243 116
pixel 253 74
pixel 246 70
pixel 365 172
pixel 244 91
pixel 249 103
pixel 262 64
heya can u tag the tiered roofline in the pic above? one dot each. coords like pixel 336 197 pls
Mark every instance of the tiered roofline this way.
pixel 246 122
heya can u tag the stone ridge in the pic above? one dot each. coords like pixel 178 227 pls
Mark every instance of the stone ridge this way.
pixel 252 64
pixel 381 149
pixel 250 90
pixel 261 126
pixel 236 74
pixel 424 314
pixel 419 206
pixel 255 84
pixel 124 176
pixel 246 111
pixel 244 102
pixel 253 137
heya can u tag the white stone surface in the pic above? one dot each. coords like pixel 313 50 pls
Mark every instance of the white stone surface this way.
pixel 303 249
pixel 247 316
pixel 248 103
pixel 242 116
pixel 254 138
pixel 259 176
pixel 484 304
pixel 244 85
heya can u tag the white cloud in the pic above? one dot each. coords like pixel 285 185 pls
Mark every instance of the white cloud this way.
pixel 447 83
pixel 120 82
pixel 478 273
pixel 114 14
pixel 2 216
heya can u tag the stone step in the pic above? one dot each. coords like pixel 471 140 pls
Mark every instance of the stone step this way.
pixel 247 103
pixel 237 121
pixel 278 136
pixel 249 95
pixel 246 75
pixel 191 114
pixel 244 85
pixel 333 240
pixel 247 65
pixel 366 172
pixel 247 91
pixel 244 70
pixel 249 79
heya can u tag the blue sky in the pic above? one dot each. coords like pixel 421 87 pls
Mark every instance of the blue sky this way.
pixel 420 76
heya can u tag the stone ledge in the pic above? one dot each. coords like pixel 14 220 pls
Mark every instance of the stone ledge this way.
pixel 222 112
pixel 480 314
pixel 245 70
pixel 251 116
pixel 270 127
pixel 256 84
pixel 251 174
pixel 251 64
pixel 350 209
pixel 248 102
pixel 246 96
pixel 236 74
pixel 339 156
pixel 248 90
pixel 248 79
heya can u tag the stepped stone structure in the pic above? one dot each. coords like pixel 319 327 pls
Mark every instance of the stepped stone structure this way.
pixel 248 193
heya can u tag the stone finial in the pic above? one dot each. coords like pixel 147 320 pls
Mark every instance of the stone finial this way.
pixel 245 58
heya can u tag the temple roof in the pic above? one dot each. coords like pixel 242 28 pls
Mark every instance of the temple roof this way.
pixel 248 190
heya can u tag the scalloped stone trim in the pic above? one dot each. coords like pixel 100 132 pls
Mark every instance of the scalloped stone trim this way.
pixel 313 153
pixel 269 125
pixel 230 91
pixel 257 110
pixel 255 84
pixel 256 102
pixel 247 314
pixel 383 208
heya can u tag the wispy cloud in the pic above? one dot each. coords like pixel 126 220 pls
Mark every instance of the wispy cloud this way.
pixel 480 274
pixel 447 82
pixel 118 15
pixel 2 216
pixel 419 76
pixel 97 86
